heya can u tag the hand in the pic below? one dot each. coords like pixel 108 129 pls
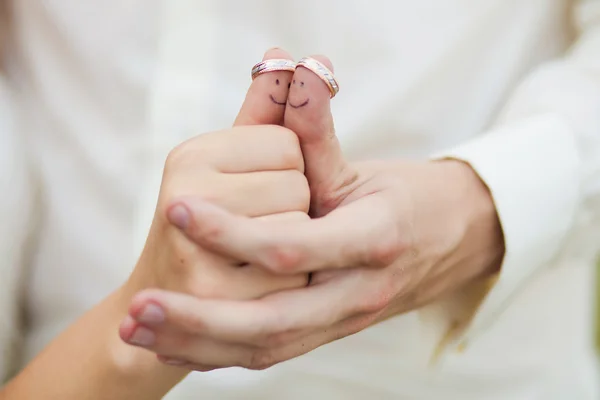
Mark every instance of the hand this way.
pixel 252 170
pixel 387 236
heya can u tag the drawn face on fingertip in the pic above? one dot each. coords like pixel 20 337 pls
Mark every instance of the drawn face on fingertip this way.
pixel 306 88
pixel 280 83
pixel 300 100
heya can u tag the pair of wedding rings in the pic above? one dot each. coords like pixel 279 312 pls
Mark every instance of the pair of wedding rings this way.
pixel 307 62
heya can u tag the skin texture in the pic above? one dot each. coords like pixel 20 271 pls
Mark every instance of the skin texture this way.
pixel 253 169
pixel 388 237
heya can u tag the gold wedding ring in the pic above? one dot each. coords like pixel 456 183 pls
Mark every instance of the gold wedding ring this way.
pixel 278 64
pixel 322 72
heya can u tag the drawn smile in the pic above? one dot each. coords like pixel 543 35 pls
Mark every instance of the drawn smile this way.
pixel 276 102
pixel 299 105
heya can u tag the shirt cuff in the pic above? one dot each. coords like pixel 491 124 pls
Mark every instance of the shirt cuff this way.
pixel 532 169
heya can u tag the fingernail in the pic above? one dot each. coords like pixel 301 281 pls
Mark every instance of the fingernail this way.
pixel 151 314
pixel 142 337
pixel 179 216
pixel 171 361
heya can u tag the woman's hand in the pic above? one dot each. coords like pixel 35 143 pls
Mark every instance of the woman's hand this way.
pixel 254 170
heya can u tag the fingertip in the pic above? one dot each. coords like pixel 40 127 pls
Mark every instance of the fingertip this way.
pixel 277 53
pixel 309 111
pixel 206 212
pixel 142 299
pixel 266 98
pixel 127 328
pixel 323 60
pixel 179 215
pixel 184 213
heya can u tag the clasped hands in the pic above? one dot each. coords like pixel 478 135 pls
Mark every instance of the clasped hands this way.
pixel 236 273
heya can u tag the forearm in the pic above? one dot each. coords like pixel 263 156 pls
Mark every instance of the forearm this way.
pixel 89 361
pixel 540 163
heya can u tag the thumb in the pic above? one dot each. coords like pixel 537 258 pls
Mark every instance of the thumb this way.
pixel 308 114
pixel 266 98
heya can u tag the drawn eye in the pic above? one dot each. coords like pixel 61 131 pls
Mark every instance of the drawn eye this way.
pixel 289 85
pixel 301 84
pixel 277 82
pixel 294 81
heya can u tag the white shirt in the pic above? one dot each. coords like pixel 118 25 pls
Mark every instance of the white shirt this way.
pixel 105 88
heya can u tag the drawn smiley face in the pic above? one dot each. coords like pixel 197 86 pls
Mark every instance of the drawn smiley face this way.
pixel 281 87
pixel 307 90
pixel 300 100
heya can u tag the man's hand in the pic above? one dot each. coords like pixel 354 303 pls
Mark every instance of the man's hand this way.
pixel 387 237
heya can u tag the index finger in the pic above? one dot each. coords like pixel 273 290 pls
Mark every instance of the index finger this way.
pixel 360 234
pixel 267 96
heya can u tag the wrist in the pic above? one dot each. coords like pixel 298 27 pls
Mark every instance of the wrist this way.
pixel 88 360
pixel 483 239
pixel 135 364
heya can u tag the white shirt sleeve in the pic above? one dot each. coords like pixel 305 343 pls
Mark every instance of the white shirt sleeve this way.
pixel 541 161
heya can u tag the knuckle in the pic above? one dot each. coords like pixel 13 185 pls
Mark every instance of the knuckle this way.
pixel 179 155
pixel 196 325
pixel 175 157
pixel 387 249
pixel 375 300
pixel 197 151
pixel 375 303
pixel 186 171
pixel 279 257
pixel 209 230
